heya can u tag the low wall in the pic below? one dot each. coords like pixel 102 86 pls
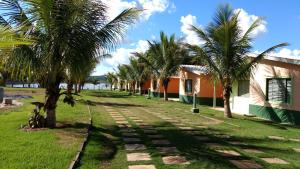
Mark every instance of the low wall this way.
pixel 201 100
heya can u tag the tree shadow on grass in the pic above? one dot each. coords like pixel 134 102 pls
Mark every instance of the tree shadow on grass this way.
pixel 110 94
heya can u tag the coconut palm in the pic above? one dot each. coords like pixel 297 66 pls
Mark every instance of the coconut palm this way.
pixel 67 33
pixel 122 76
pixel 164 58
pixel 111 79
pixel 225 49
pixel 141 71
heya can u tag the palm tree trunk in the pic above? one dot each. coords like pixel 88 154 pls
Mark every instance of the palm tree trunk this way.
pixel 165 85
pixel 69 87
pixel 76 88
pixel 141 88
pixel 226 98
pixel 52 95
pixel 79 87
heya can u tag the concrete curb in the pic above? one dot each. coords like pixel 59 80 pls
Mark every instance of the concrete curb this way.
pixel 79 153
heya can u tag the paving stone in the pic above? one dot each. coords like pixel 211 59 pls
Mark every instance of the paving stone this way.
pixel 137 120
pixel 119 119
pixel 122 122
pixel 131 140
pixel 141 167
pixel 236 143
pixel 223 136
pixel 130 134
pixel 228 153
pixel 276 138
pixel 156 136
pixel 202 138
pixel 150 131
pixel 193 132
pixel 214 145
pixel 175 160
pixel 168 150
pixel 274 160
pixel 246 164
pixel 294 139
pixel 124 126
pixel 186 128
pixel 138 157
pixel 254 151
pixel 297 150
pixel 133 147
pixel 202 127
pixel 127 130
pixel 161 142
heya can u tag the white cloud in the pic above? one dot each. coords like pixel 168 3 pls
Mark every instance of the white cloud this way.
pixel 172 8
pixel 245 21
pixel 115 7
pixel 153 6
pixel 121 55
pixel 288 53
pixel 190 36
pixel 150 7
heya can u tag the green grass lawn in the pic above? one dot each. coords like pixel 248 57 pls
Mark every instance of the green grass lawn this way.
pixel 106 150
pixel 48 148
pixel 55 148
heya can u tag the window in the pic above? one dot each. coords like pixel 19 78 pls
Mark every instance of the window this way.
pixel 154 84
pixel 279 90
pixel 243 88
pixel 188 85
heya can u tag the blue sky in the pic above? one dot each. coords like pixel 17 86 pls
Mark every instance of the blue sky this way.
pixel 281 24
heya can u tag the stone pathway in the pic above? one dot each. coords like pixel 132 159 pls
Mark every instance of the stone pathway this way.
pixel 133 144
pixel 170 154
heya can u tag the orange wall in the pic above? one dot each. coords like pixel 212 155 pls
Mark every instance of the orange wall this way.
pixel 207 87
pixel 173 86
pixel 147 85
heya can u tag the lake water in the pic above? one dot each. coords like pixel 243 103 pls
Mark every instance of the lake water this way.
pixel 87 86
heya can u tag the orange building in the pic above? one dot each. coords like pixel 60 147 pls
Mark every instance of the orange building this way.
pixel 157 89
pixel 146 86
pixel 195 79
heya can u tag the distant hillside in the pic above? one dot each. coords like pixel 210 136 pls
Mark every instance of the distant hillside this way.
pixel 98 78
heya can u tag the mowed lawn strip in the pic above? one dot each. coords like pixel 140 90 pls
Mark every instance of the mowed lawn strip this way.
pixel 47 148
pixel 253 133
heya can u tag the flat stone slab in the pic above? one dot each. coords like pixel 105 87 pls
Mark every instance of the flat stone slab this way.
pixel 191 132
pixel 161 142
pixel 254 151
pixel 123 126
pixel 228 153
pixel 276 138
pixel 156 136
pixel 297 150
pixel 122 122
pixel 274 160
pixel 186 128
pixel 294 139
pixel 202 127
pixel 150 131
pixel 246 164
pixel 130 134
pixel 138 157
pixel 147 127
pixel 167 150
pixel 137 120
pixel 214 145
pixel 236 143
pixel 134 147
pixel 175 160
pixel 202 138
pixel 131 140
pixel 141 167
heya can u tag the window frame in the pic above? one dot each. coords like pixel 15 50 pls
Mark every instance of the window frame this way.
pixel 287 100
pixel 185 86
pixel 238 89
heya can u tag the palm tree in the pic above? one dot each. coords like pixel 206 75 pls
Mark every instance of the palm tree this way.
pixel 122 76
pixel 140 68
pixel 67 33
pixel 226 48
pixel 111 79
pixel 164 58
